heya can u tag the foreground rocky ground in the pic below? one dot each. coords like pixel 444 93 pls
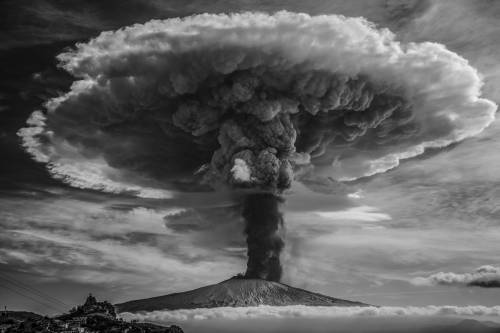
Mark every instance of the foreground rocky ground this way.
pixel 92 316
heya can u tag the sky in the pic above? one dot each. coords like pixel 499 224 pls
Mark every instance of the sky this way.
pixel 423 233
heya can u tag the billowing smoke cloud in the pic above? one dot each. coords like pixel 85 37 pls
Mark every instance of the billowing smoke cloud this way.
pixel 247 99
pixel 251 102
pixel 484 276
pixel 302 311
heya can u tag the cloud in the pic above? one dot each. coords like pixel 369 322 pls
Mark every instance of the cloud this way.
pixel 132 252
pixel 360 213
pixel 351 259
pixel 484 277
pixel 81 172
pixel 302 311
pixel 325 319
pixel 117 263
pixel 474 34
pixel 145 109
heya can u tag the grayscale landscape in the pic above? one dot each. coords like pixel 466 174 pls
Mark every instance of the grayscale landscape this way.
pixel 249 166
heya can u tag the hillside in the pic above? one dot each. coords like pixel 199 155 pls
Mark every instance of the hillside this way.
pixel 92 316
pixel 19 315
pixel 235 292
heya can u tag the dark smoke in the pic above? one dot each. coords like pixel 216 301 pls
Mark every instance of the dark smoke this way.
pixel 263 221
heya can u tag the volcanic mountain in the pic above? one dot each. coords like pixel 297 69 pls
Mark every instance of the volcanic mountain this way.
pixel 235 292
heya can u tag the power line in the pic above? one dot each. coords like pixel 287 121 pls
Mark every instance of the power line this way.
pixel 33 290
pixel 33 299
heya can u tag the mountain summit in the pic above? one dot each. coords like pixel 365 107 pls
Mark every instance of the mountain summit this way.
pixel 235 292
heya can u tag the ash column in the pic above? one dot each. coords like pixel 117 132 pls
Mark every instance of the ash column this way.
pixel 263 221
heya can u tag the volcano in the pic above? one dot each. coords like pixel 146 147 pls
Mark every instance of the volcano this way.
pixel 235 292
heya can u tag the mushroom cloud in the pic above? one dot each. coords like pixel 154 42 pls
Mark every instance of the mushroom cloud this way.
pixel 251 102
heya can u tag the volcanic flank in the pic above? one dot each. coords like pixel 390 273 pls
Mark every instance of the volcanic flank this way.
pixel 235 292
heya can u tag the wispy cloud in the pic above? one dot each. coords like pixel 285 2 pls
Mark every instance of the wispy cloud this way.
pixel 361 213
pixel 484 276
pixel 133 250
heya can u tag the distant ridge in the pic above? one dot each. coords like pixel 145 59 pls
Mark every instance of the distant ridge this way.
pixel 235 292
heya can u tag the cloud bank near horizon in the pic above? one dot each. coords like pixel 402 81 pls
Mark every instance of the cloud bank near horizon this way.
pixel 324 320
pixel 100 135
pixel 302 311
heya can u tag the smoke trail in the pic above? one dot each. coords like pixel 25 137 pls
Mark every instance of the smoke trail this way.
pixel 263 220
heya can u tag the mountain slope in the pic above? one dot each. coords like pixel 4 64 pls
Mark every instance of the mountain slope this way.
pixel 237 293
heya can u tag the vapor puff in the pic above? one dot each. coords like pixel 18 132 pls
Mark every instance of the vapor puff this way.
pixel 251 101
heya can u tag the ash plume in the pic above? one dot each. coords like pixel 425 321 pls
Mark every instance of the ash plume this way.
pixel 263 221
pixel 251 102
